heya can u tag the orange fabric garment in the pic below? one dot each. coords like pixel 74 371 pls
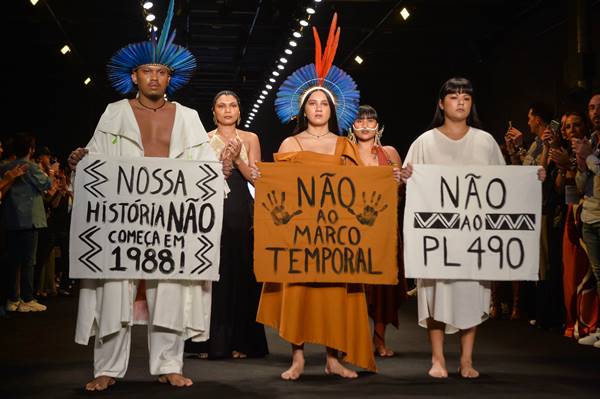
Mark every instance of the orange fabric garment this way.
pixel 334 315
pixel 575 267
pixel 384 300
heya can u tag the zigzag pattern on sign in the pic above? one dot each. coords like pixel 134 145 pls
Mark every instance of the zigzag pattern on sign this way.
pixel 203 184
pixel 94 249
pixel 205 263
pixel 436 220
pixel 98 178
pixel 510 221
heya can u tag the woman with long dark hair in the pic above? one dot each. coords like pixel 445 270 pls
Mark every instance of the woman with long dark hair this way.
pixel 333 315
pixel 234 332
pixel 450 306
pixel 383 301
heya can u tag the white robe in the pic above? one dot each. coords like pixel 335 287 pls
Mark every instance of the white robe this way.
pixel 183 306
pixel 460 304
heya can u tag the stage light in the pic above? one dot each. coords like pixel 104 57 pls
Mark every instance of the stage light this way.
pixel 293 43
pixel 310 11
pixel 358 59
pixel 405 14
pixel 65 49
pixel 150 17
pixel 303 22
pixel 269 87
pixel 297 35
pixel 288 51
pixel 87 81
pixel 147 5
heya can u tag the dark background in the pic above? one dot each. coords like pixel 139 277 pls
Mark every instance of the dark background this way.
pixel 515 52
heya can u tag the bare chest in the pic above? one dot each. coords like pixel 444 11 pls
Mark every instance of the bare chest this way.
pixel 155 130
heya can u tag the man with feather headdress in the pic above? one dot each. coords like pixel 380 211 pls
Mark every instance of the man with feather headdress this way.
pixel 147 126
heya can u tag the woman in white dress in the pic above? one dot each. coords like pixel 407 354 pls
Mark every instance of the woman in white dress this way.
pixel 449 306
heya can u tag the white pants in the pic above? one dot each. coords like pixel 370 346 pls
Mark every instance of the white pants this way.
pixel 111 354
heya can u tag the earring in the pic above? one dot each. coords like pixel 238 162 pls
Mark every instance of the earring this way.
pixel 378 137
pixel 214 120
pixel 351 136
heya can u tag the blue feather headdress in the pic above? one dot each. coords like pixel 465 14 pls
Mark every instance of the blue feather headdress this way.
pixel 159 51
pixel 322 74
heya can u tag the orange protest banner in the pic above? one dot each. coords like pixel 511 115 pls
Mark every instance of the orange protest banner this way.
pixel 325 224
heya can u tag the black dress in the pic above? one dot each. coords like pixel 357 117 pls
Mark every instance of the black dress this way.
pixel 235 296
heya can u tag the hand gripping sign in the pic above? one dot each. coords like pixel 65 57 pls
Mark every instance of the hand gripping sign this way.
pixel 146 218
pixel 473 222
pixel 325 224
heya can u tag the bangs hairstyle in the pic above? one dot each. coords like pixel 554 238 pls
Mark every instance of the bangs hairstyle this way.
pixel 302 120
pixel 367 112
pixel 456 85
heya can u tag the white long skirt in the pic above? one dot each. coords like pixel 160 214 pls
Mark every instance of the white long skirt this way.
pixel 460 304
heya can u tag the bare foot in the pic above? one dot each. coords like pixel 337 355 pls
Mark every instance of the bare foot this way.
pixel 335 367
pixel 100 383
pixel 384 351
pixel 294 372
pixel 238 355
pixel 466 370
pixel 438 370
pixel 176 380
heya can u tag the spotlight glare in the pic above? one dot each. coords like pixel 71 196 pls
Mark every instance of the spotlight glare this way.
pixel 150 17
pixel 310 11
pixel 405 14
pixel 358 59
pixel 147 5
pixel 87 81
pixel 288 51
pixel 65 49
pixel 303 22
pixel 297 35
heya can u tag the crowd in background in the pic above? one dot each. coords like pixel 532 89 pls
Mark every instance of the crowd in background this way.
pixel 35 215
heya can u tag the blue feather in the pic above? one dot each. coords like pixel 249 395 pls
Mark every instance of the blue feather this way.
pixel 179 59
pixel 341 85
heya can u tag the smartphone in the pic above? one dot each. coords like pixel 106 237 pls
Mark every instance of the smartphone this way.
pixel 555 128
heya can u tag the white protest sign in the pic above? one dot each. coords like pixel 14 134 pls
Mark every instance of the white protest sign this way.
pixel 473 222
pixel 146 218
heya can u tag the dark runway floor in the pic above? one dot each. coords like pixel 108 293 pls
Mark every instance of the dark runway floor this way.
pixel 39 359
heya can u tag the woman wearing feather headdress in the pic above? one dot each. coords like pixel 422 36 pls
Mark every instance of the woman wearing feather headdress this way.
pixel 147 126
pixel 324 101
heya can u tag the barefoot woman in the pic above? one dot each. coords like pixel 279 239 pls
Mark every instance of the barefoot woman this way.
pixel 333 315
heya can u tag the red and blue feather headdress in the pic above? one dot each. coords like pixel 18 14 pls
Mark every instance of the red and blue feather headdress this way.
pixel 157 51
pixel 320 75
